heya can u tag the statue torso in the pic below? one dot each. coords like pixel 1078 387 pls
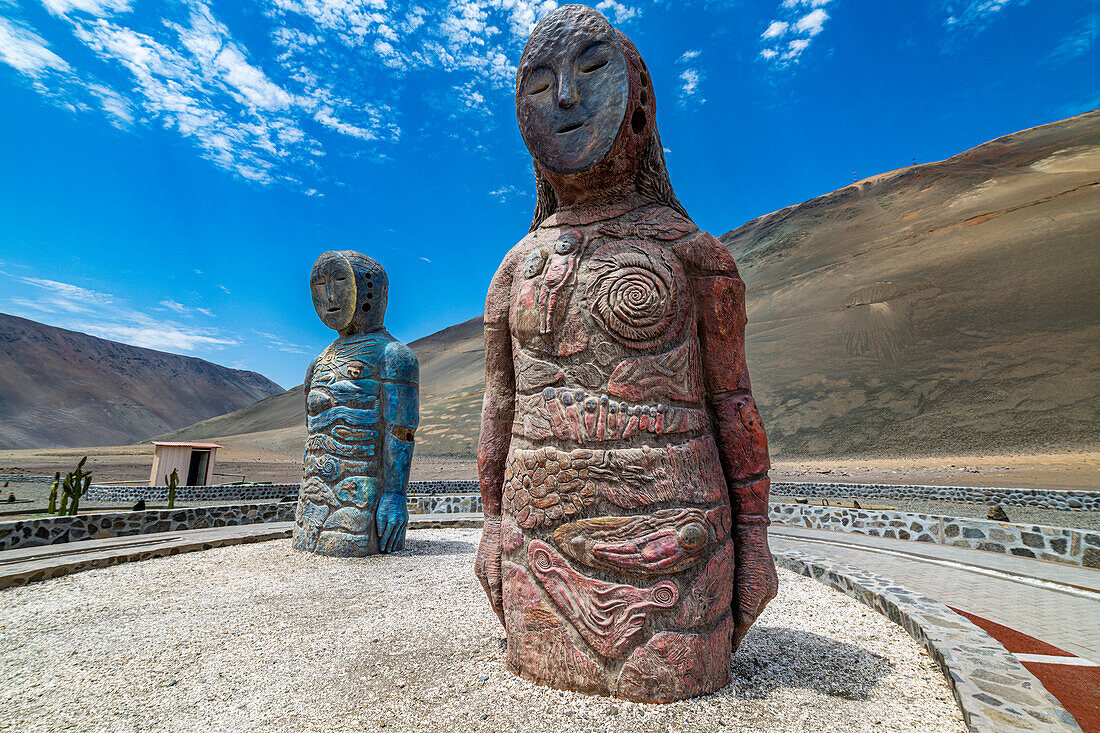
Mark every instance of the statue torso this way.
pixel 343 416
pixel 614 497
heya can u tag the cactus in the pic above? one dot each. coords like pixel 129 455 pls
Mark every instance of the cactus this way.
pixel 75 486
pixel 52 509
pixel 173 481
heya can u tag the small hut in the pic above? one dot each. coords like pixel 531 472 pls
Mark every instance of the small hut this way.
pixel 193 461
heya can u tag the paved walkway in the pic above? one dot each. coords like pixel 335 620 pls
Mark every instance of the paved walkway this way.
pixel 1058 604
pixel 30 564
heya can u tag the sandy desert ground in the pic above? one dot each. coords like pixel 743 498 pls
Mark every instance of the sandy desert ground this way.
pixel 1070 470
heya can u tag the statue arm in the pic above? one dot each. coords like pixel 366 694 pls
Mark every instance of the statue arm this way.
pixel 742 443
pixel 400 416
pixel 309 378
pixel 497 412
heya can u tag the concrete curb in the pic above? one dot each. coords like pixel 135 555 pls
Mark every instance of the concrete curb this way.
pixel 992 688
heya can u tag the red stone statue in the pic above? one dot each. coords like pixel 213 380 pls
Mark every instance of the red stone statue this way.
pixel 622 461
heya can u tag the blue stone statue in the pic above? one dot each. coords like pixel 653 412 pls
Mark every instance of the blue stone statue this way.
pixel 362 409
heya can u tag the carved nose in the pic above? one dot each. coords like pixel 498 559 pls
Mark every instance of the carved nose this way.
pixel 567 91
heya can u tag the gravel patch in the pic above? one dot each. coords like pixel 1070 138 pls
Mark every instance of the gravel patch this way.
pixel 1016 514
pixel 260 637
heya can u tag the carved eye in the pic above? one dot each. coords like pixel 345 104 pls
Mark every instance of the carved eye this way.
pixel 538 82
pixel 593 65
pixel 693 535
pixel 593 58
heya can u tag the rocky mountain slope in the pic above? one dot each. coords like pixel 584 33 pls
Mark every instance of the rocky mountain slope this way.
pixel 63 388
pixel 944 308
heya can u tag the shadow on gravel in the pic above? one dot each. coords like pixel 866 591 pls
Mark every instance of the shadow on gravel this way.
pixel 774 657
pixel 437 547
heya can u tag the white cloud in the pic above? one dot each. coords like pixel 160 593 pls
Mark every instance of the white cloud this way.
pixel 812 23
pixel 690 79
pixel 974 14
pixel 794 21
pixel 502 194
pixel 65 296
pixel 616 12
pixel 161 335
pixel 98 8
pixel 89 311
pixel 776 29
pixel 282 344
pixel 26 52
pixel 113 103
pixel 1077 43
pixel 795 48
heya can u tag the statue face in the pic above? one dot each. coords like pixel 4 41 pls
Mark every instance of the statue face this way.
pixel 571 95
pixel 334 290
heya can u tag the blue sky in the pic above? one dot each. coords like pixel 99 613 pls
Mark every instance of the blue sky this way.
pixel 170 170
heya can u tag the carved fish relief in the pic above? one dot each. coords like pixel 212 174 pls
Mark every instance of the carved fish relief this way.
pixel 609 616
pixel 664 542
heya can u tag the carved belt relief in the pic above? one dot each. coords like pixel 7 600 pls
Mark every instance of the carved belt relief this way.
pixel 543 485
pixel 580 417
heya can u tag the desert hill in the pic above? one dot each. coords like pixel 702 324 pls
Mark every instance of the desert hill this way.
pixel 945 308
pixel 950 307
pixel 452 362
pixel 64 388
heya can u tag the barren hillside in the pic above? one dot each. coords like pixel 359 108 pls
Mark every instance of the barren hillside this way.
pixel 950 308
pixel 63 388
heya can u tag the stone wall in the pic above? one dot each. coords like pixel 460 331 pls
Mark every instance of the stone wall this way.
pixel 215 492
pixel 56 530
pixel 1056 544
pixel 26 479
pixel 443 504
pixel 1046 498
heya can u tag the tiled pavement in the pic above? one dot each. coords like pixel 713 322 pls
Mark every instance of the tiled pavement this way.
pixel 1058 604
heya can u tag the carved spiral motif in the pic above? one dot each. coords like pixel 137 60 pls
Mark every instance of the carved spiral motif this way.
pixel 327 467
pixel 665 595
pixel 637 295
pixel 541 559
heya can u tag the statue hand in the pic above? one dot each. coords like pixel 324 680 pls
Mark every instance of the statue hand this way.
pixel 392 518
pixel 487 565
pixel 755 580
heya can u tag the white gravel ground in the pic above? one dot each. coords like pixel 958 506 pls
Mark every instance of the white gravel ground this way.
pixel 263 638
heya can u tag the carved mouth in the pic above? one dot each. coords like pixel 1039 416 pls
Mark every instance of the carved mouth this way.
pixel 569 127
pixel 333 309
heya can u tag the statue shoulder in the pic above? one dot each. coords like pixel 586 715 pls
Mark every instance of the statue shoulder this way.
pixel 400 363
pixel 703 255
pixel 500 287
